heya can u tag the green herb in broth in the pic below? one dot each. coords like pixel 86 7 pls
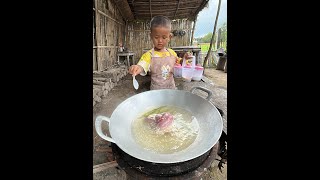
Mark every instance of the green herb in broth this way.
pixel 157 111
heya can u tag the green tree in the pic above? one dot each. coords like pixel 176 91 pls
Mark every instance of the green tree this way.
pixel 207 38
pixel 224 32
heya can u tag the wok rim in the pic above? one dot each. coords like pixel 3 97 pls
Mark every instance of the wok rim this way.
pixel 182 159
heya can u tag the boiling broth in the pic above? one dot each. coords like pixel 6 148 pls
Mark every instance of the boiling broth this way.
pixel 179 136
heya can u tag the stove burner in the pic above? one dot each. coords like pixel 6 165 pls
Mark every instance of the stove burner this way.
pixel 139 169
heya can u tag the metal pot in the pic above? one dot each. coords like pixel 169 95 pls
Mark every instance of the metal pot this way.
pixel 208 116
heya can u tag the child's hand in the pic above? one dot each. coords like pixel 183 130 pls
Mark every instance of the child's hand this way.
pixel 135 69
pixel 187 55
pixel 178 59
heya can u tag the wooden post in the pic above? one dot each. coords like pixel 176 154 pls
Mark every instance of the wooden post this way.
pixel 98 34
pixel 125 33
pixel 150 9
pixel 214 31
pixel 218 40
pixel 193 28
pixel 94 58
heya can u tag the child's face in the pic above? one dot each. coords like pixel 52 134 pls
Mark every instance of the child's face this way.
pixel 160 37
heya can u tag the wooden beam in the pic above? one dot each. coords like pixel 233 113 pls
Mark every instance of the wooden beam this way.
pixel 95 47
pixel 196 5
pixel 109 17
pixel 166 13
pixel 214 31
pixel 158 12
pixel 204 2
pixel 125 10
pixel 162 3
pixel 218 40
pixel 176 9
pixel 187 16
pixel 150 9
pixel 125 34
pixel 161 10
pixel 97 28
pixel 194 25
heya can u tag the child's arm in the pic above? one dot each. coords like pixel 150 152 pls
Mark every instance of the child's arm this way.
pixel 135 70
pixel 178 60
pixel 142 66
pixel 187 55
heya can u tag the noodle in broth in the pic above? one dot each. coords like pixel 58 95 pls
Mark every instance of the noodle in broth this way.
pixel 180 135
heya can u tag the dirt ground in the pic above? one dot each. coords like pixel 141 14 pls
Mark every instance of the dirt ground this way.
pixel 217 76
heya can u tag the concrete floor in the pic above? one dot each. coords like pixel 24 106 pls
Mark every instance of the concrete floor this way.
pixel 124 90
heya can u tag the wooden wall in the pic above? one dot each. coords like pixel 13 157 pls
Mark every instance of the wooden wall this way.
pixel 109 30
pixel 138 35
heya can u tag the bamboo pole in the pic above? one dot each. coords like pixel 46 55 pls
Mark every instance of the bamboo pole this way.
pixel 204 2
pixel 214 31
pixel 96 47
pixel 125 34
pixel 150 9
pixel 218 40
pixel 98 40
pixel 168 9
pixel 176 9
pixel 193 28
pixel 110 17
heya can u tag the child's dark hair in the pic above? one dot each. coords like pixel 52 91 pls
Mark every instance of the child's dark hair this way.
pixel 161 21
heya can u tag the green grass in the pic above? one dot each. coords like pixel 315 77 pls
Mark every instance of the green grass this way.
pixel 205 46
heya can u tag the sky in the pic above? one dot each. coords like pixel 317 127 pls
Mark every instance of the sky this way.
pixel 206 18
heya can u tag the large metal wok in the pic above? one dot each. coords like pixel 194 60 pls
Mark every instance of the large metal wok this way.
pixel 208 116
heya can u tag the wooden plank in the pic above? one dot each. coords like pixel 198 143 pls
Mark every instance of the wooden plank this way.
pixel 194 25
pixel 218 39
pixel 150 9
pixel 138 35
pixel 203 4
pixel 162 5
pixel 161 10
pixel 175 13
pixel 166 2
pixel 95 47
pixel 98 39
pixel 109 17
pixel 154 13
pixel 125 10
pixel 94 60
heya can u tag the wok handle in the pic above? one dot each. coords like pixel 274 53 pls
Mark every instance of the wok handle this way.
pixel 98 122
pixel 203 89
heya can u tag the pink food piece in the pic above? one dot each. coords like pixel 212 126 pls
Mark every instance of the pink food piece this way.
pixel 158 118
pixel 165 121
pixel 161 121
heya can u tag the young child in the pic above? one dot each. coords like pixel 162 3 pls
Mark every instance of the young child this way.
pixel 159 61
